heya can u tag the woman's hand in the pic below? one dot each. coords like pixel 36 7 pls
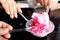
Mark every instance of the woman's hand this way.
pixel 49 3
pixel 4 30
pixel 10 7
pixel 44 3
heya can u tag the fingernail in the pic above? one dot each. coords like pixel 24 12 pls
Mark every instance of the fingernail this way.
pixel 16 15
pixel 11 28
pixel 8 12
pixel 11 17
pixel 20 10
pixel 38 4
pixel 7 35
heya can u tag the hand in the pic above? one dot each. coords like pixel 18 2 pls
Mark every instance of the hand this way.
pixel 49 3
pixel 4 30
pixel 10 7
pixel 44 3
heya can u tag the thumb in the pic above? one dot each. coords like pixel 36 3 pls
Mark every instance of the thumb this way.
pixel 3 31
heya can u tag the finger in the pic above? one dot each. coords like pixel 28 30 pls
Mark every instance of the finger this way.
pixel 5 6
pixel 42 2
pixel 7 35
pixel 5 25
pixel 18 8
pixel 45 3
pixel 38 1
pixel 11 8
pixel 3 31
pixel 2 38
pixel 4 28
pixel 15 12
pixel 9 27
pixel 15 9
pixel 2 24
pixel 48 4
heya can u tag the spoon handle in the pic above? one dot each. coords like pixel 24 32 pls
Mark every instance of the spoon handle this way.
pixel 17 30
pixel 23 16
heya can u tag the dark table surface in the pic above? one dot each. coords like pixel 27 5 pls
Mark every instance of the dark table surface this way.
pixel 20 23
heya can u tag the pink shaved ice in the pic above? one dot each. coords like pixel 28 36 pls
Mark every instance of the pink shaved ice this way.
pixel 41 24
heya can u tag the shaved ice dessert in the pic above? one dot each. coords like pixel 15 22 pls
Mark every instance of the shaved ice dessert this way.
pixel 41 25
